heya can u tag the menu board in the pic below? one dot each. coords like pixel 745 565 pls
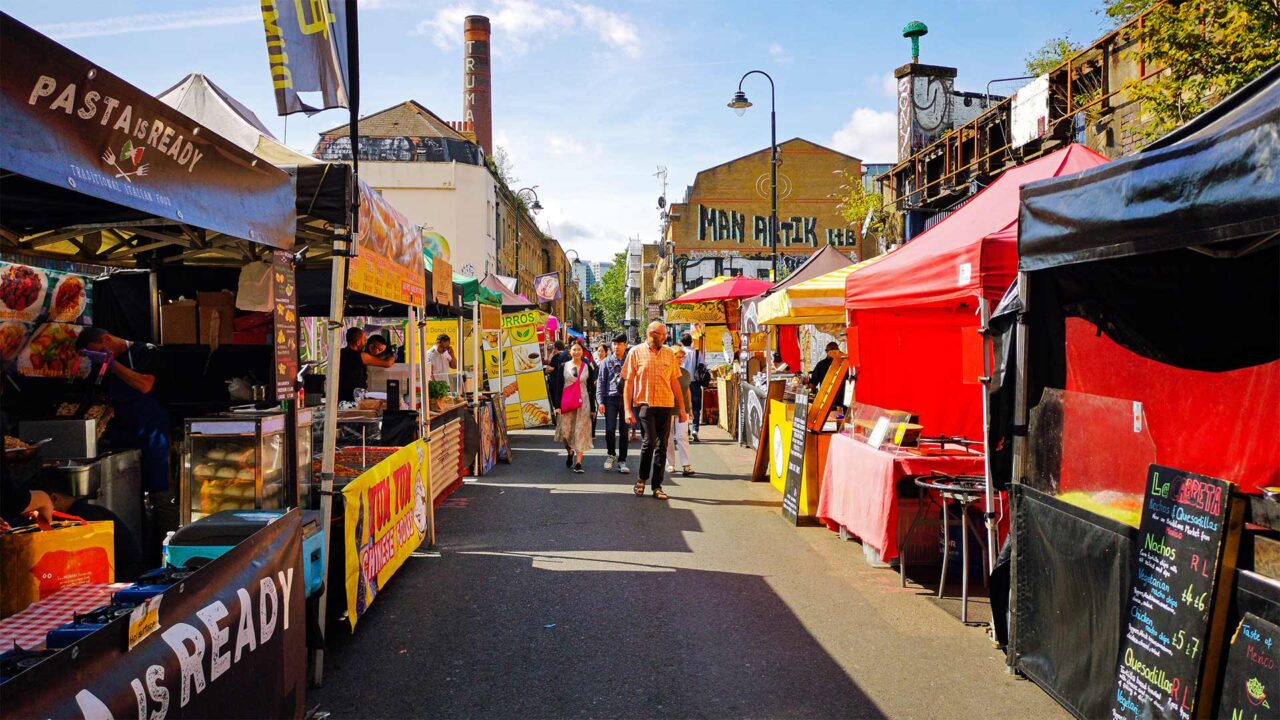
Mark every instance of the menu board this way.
pixel 795 460
pixel 284 325
pixel 1176 571
pixel 1251 683
pixel 520 381
pixel 41 312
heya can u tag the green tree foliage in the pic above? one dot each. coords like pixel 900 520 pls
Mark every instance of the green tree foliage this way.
pixel 1051 54
pixel 609 296
pixel 1209 49
pixel 854 202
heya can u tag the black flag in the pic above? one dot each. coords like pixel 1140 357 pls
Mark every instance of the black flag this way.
pixel 307 52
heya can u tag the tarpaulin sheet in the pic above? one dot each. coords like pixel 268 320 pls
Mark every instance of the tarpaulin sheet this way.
pixel 1073 571
pixel 972 253
pixel 1216 178
pixel 914 361
pixel 1217 424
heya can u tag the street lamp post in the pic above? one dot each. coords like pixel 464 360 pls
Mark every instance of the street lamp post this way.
pixel 740 103
pixel 528 196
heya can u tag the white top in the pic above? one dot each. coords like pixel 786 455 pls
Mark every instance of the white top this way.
pixel 438 362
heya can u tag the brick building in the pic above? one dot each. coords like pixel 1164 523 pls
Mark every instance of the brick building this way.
pixel 721 228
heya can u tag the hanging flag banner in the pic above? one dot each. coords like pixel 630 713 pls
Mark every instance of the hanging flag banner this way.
pixel 388 263
pixel 386 520
pixel 547 287
pixel 307 52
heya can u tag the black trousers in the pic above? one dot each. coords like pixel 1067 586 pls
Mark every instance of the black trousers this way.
pixel 616 431
pixel 695 400
pixel 656 422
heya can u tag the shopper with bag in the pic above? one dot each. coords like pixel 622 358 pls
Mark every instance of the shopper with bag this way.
pixel 573 396
pixel 678 447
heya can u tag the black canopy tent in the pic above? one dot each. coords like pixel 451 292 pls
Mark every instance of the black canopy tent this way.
pixel 1174 254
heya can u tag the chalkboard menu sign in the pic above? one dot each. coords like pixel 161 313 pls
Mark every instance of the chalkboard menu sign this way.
pixel 284 326
pixel 1174 617
pixel 795 459
pixel 1251 683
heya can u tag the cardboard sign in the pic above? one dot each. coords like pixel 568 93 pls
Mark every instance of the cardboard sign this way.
pixel 441 281
pixel 1176 612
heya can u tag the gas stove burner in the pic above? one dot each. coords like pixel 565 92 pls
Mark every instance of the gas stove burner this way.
pixel 17 661
pixel 104 614
pixel 164 576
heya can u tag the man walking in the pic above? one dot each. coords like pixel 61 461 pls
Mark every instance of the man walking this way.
pixel 652 393
pixel 609 389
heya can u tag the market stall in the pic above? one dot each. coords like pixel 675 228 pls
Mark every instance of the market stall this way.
pixel 90 191
pixel 1147 338
pixel 914 339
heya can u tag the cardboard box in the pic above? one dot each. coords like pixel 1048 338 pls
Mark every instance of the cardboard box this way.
pixel 217 317
pixel 178 323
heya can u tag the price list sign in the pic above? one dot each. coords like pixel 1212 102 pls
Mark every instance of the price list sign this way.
pixel 795 460
pixel 284 326
pixel 1185 520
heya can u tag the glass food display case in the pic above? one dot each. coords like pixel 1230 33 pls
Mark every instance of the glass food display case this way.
pixel 305 448
pixel 234 461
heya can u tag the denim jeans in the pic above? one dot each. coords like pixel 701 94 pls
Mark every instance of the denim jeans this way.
pixel 616 430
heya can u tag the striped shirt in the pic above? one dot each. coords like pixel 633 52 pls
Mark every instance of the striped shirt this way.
pixel 649 375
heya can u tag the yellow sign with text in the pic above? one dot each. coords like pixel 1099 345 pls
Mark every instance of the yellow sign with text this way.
pixel 385 520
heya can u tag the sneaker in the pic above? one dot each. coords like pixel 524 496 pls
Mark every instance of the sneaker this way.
pixel 622 468
pixel 694 437
pixel 608 463
pixel 688 471
pixel 577 467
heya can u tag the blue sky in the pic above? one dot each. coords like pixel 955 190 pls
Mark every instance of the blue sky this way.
pixel 591 96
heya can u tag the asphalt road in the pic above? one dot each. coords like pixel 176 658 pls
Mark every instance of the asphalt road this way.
pixel 557 595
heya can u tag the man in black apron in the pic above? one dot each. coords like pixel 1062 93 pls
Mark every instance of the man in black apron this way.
pixel 129 375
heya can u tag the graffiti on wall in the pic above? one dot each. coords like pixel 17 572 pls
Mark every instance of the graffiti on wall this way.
pixel 404 148
pixel 925 105
pixel 720 225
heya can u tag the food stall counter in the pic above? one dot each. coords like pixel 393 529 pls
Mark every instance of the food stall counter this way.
pixel 859 484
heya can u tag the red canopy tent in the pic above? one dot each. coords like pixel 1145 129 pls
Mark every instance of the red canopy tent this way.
pixel 735 288
pixel 913 332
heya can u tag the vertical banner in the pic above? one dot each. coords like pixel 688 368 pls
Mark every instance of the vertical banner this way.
pixel 523 386
pixel 388 263
pixel 307 52
pixel 230 642
pixel 385 519
pixel 284 325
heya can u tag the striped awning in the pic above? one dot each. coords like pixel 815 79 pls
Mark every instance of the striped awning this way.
pixel 818 301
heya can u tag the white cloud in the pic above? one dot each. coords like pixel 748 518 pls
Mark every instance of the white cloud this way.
pixel 520 24
pixel 150 22
pixel 612 28
pixel 886 83
pixel 564 145
pixel 869 135
pixel 779 55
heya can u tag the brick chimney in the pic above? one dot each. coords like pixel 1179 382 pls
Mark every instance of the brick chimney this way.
pixel 477 96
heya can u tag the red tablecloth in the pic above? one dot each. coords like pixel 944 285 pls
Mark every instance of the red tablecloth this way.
pixel 858 487
pixel 29 627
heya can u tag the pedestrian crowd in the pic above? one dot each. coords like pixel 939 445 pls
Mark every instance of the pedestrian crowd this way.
pixel 650 386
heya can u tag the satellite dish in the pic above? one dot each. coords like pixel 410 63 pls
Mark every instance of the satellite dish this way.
pixel 662 202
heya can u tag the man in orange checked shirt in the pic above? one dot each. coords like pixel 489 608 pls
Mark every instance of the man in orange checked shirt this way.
pixel 652 392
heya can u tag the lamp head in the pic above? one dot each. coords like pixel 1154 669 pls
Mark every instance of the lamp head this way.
pixel 536 206
pixel 740 103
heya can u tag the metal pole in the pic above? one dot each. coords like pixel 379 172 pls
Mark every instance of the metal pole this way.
pixel 984 314
pixel 1020 448
pixel 773 184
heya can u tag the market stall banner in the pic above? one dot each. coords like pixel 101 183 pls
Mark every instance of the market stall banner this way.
pixel 229 642
pixel 307 52
pixel 385 520
pixel 71 124
pixel 284 318
pixel 711 312
pixel 523 384
pixel 388 263
pixel 41 314
pixel 547 287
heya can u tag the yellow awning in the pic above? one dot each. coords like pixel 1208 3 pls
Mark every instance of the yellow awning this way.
pixel 819 301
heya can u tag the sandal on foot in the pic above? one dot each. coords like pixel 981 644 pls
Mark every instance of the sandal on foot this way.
pixel 659 494
pixel 639 488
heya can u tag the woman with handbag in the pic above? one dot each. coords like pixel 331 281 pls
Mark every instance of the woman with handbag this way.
pixel 574 397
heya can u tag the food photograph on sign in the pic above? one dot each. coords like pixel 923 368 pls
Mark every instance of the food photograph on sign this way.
pixel 547 287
